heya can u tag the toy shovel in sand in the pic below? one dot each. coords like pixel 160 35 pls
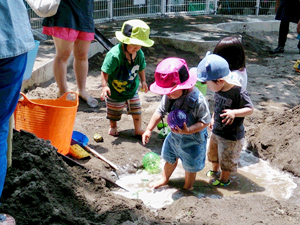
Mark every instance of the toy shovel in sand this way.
pixel 81 139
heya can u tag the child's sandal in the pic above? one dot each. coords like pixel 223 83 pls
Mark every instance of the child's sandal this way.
pixel 211 173
pixel 220 183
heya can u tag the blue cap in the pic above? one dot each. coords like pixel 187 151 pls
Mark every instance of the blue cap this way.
pixel 212 67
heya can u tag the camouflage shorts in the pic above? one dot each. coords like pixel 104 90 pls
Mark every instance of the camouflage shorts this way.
pixel 225 152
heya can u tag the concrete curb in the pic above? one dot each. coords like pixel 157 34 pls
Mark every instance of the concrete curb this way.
pixel 44 72
pixel 245 27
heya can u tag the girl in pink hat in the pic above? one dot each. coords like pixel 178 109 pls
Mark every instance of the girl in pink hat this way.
pixel 176 84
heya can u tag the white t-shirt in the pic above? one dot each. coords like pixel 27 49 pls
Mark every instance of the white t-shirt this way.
pixel 242 77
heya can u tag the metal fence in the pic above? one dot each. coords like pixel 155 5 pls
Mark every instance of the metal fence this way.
pixel 256 7
pixel 107 10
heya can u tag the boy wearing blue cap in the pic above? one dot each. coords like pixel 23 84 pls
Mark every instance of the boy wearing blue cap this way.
pixel 232 104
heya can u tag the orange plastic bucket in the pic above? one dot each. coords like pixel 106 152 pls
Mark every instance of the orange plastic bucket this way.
pixel 49 119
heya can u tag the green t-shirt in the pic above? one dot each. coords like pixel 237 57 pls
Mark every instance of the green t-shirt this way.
pixel 123 78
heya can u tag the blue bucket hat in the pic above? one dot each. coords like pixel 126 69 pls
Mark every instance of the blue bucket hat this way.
pixel 214 67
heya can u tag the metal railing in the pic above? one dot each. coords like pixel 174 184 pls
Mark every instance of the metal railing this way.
pixel 107 10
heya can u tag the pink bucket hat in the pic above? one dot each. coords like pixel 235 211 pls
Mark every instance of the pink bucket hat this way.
pixel 172 74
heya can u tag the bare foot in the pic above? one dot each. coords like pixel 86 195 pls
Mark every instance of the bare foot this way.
pixel 158 183
pixel 113 131
pixel 188 188
pixel 90 101
pixel 139 132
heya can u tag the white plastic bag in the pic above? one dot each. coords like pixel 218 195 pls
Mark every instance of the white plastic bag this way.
pixel 44 8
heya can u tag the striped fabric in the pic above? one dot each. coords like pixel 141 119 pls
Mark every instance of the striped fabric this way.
pixel 115 108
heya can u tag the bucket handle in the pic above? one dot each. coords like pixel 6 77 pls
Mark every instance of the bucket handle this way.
pixel 64 96
pixel 25 98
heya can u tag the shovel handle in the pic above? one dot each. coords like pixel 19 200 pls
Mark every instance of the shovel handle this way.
pixel 101 157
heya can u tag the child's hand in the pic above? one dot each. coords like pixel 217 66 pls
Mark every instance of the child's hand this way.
pixel 229 116
pixel 144 86
pixel 212 121
pixel 105 93
pixel 184 130
pixel 146 136
pixel 211 124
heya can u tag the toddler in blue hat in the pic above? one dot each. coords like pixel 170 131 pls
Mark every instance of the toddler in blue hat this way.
pixel 232 104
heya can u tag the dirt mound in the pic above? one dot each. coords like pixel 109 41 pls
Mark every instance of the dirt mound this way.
pixel 41 188
pixel 276 138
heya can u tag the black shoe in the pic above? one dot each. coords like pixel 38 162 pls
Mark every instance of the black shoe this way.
pixel 277 50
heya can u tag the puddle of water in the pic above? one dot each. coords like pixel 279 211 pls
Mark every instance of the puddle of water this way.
pixel 277 184
pixel 138 186
pixel 254 176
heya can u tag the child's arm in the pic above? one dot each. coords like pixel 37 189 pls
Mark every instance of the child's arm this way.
pixel 230 114
pixel 191 129
pixel 151 125
pixel 143 81
pixel 212 121
pixel 105 89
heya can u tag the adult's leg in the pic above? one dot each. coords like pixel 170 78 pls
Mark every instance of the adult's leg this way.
pixel 3 151
pixel 283 32
pixel 63 51
pixel 11 76
pixel 81 68
pixel 81 65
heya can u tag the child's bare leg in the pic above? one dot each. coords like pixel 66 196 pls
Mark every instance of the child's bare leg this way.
pixel 224 177
pixel 137 121
pixel 215 167
pixel 189 180
pixel 167 172
pixel 113 130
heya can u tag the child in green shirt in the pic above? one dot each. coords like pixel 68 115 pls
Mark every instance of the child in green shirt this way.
pixel 122 71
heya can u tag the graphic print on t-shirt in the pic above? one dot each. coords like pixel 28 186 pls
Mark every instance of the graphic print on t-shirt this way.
pixel 126 78
pixel 221 103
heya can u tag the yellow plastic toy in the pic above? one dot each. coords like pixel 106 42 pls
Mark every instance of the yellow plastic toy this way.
pixel 297 66
pixel 78 152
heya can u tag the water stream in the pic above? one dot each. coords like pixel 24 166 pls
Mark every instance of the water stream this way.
pixel 254 176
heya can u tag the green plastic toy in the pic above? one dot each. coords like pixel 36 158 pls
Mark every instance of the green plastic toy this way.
pixel 151 162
